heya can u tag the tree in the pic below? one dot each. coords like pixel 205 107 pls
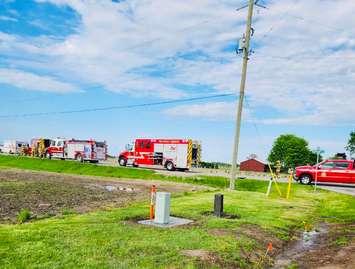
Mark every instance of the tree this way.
pixel 351 143
pixel 292 151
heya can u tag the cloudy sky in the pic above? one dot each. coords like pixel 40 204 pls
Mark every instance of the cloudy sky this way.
pixel 58 55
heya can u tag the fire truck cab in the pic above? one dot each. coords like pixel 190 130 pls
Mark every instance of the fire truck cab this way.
pixel 172 154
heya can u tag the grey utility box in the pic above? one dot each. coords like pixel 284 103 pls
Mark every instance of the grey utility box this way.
pixel 162 208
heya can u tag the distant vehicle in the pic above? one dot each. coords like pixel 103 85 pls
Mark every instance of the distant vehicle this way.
pixel 172 154
pixel 80 150
pixel 336 171
pixel 13 146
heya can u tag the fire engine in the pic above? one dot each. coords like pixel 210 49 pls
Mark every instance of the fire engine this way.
pixel 80 150
pixel 172 154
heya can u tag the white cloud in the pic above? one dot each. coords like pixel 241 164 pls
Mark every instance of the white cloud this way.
pixel 216 110
pixel 210 110
pixel 7 18
pixel 303 66
pixel 29 81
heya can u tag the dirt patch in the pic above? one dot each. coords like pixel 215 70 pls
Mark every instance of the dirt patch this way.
pixel 328 246
pixel 205 259
pixel 201 254
pixel 222 232
pixel 262 238
pixel 224 215
pixel 259 240
pixel 47 194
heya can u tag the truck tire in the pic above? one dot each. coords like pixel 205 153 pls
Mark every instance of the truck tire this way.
pixel 48 156
pixel 305 179
pixel 79 158
pixel 169 166
pixel 122 161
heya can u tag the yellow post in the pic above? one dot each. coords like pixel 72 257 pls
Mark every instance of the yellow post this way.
pixel 290 178
pixel 289 187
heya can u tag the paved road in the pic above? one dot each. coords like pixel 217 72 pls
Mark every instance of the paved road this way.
pixel 340 188
pixel 345 189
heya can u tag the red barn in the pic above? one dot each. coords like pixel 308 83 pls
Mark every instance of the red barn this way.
pixel 253 165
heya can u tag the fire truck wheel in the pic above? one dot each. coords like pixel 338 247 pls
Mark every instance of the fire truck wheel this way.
pixel 305 179
pixel 122 161
pixel 170 166
pixel 79 158
pixel 48 155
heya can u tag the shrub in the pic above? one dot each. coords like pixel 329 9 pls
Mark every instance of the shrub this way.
pixel 67 211
pixel 23 216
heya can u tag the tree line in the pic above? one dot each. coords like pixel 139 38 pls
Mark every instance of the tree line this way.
pixel 294 151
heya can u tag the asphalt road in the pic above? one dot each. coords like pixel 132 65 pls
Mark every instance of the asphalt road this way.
pixel 345 189
pixel 341 188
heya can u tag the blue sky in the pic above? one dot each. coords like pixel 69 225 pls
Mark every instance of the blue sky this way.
pixel 60 55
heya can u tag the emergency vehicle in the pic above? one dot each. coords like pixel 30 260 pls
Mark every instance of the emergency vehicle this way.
pixel 337 171
pixel 80 150
pixel 172 154
pixel 13 146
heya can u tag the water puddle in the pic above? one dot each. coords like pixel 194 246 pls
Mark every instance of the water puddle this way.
pixel 308 240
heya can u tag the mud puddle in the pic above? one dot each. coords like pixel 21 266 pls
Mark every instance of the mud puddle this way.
pixel 320 248
pixel 308 240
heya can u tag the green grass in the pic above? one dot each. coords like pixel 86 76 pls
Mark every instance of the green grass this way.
pixel 23 216
pixel 72 167
pixel 112 239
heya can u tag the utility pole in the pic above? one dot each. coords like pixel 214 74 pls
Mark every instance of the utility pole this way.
pixel 241 94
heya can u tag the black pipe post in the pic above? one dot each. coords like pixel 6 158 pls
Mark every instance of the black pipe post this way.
pixel 218 205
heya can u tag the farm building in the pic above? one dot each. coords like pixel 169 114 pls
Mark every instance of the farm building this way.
pixel 253 165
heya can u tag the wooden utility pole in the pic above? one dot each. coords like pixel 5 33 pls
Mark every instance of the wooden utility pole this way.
pixel 241 94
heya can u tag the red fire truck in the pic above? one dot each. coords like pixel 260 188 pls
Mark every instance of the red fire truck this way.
pixel 80 150
pixel 172 154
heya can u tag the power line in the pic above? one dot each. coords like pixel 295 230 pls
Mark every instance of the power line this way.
pixel 116 107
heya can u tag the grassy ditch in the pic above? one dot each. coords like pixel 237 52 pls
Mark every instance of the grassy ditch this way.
pixel 113 239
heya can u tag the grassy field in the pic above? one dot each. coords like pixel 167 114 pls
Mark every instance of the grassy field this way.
pixel 113 239
pixel 72 167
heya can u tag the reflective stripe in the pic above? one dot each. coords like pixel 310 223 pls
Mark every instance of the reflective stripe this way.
pixel 189 153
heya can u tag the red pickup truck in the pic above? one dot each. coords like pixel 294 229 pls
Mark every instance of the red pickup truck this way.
pixel 338 171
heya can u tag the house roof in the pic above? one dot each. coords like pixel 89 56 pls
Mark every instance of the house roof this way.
pixel 253 159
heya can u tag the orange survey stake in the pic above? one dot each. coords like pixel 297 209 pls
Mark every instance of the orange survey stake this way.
pixel 269 247
pixel 153 191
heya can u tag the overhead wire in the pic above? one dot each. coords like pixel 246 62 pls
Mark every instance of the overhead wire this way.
pixel 107 108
